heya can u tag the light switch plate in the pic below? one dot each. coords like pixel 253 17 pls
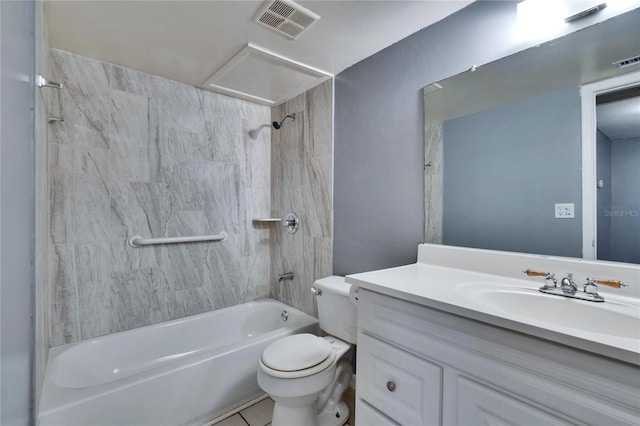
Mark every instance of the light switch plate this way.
pixel 565 211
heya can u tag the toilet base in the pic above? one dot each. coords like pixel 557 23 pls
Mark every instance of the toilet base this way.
pixel 295 413
pixel 304 414
pixel 338 416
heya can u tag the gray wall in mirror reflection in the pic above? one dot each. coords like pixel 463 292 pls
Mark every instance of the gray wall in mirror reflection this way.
pixel 378 133
pixel 625 200
pixel 618 214
pixel 603 172
pixel 527 153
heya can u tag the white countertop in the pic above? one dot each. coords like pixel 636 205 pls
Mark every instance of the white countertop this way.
pixel 437 287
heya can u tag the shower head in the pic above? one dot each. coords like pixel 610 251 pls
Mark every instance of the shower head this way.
pixel 277 124
pixel 253 133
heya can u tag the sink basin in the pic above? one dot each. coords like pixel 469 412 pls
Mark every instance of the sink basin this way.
pixel 610 318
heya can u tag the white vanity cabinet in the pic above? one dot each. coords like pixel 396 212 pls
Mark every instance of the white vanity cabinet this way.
pixel 422 366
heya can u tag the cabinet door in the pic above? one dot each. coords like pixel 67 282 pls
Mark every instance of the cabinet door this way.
pixel 369 416
pixel 402 386
pixel 479 405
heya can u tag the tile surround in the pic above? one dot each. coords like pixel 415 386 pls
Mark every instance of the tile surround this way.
pixel 301 181
pixel 433 164
pixel 142 155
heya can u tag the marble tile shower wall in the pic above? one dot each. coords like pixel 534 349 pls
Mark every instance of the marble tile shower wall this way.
pixel 433 195
pixel 301 174
pixel 143 155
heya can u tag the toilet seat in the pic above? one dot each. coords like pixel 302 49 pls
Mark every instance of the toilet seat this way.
pixel 296 356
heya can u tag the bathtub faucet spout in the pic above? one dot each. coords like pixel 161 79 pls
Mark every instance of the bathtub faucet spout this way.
pixel 285 276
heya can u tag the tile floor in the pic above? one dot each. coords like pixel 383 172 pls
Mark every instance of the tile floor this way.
pixel 260 413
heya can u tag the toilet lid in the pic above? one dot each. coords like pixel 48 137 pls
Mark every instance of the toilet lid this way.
pixel 296 352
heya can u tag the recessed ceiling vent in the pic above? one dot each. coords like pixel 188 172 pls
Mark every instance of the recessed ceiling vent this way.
pixel 625 63
pixel 286 17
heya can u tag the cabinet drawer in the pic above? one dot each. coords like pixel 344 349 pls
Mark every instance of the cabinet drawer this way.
pixel 402 386
pixel 369 416
pixel 477 405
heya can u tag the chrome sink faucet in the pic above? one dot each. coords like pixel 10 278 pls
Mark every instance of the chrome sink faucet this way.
pixel 568 288
pixel 567 284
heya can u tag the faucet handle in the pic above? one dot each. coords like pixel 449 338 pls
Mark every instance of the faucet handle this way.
pixel 611 283
pixel 549 277
pixel 590 286
pixel 534 273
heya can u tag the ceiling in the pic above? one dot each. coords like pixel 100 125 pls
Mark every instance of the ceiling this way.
pixel 573 60
pixel 189 41
pixel 621 119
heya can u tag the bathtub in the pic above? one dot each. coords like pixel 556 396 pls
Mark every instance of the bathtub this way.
pixel 182 372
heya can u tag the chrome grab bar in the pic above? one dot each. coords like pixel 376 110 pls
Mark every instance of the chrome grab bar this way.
pixel 138 241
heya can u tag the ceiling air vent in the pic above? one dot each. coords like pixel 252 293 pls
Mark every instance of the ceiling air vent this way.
pixel 285 17
pixel 624 63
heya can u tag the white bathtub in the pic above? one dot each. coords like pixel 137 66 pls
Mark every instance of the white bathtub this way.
pixel 182 372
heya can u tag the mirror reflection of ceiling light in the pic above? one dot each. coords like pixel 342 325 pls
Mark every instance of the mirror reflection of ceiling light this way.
pixel 537 19
pixel 542 19
pixel 586 12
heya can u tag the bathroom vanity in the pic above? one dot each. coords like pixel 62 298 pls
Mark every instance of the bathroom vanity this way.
pixel 462 337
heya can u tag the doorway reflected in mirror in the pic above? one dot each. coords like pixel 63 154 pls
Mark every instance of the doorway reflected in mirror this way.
pixel 618 175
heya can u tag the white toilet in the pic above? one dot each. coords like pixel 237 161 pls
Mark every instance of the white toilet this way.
pixel 305 374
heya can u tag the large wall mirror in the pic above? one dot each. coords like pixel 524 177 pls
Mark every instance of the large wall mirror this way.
pixel 504 150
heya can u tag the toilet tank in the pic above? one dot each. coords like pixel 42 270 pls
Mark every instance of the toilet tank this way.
pixel 337 315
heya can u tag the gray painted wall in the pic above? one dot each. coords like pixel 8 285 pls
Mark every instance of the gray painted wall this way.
pixel 625 200
pixel 41 129
pixel 378 134
pixel 538 165
pixel 378 130
pixel 17 25
pixel 603 172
